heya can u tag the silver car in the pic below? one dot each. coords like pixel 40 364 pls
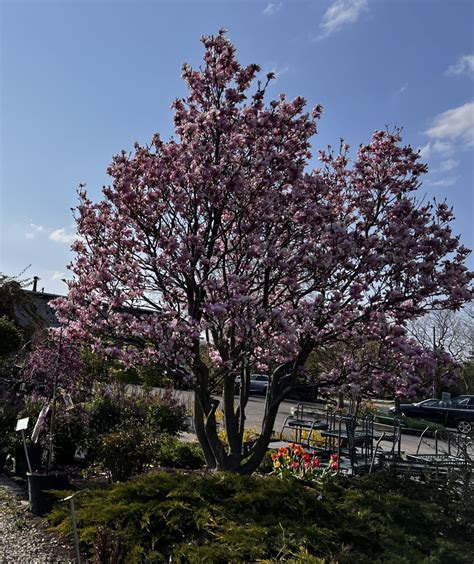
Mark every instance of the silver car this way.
pixel 258 384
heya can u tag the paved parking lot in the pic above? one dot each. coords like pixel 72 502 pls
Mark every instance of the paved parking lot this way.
pixel 255 410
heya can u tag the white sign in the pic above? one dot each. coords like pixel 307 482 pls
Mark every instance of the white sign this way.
pixel 68 401
pixel 39 423
pixel 22 424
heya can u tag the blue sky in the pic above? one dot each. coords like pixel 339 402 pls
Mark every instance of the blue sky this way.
pixel 82 80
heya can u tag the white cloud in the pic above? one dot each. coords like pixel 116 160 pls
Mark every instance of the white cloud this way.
pixel 444 148
pixel 34 230
pixel 340 14
pixel 464 65
pixel 456 124
pixel 272 8
pixel 444 182
pixel 61 236
pixel 57 275
pixel 448 164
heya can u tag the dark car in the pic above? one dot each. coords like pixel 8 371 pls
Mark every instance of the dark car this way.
pixel 258 384
pixel 458 412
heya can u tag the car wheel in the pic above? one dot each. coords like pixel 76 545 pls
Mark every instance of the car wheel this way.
pixel 464 427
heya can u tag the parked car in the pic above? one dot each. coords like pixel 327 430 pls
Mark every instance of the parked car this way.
pixel 301 391
pixel 258 384
pixel 457 412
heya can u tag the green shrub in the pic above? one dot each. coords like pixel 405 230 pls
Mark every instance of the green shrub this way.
pixel 266 465
pixel 410 423
pixel 166 413
pixel 126 451
pixel 71 431
pixel 223 517
pixel 111 411
pixel 10 337
pixel 173 453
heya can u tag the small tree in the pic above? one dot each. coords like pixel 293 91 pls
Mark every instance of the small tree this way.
pixel 222 233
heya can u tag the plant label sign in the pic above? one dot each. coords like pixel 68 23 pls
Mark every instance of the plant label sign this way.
pixel 68 401
pixel 22 424
pixel 39 423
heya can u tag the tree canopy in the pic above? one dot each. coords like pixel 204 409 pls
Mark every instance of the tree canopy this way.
pixel 224 232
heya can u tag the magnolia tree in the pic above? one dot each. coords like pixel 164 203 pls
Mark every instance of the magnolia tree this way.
pixel 387 366
pixel 222 233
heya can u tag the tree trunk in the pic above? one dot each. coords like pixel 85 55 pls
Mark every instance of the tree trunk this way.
pixel 216 455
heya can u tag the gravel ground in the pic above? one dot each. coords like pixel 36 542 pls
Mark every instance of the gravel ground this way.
pixel 24 538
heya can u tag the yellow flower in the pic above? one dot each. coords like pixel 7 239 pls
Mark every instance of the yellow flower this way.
pixel 277 464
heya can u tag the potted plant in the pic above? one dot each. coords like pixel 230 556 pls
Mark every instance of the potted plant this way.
pixel 54 364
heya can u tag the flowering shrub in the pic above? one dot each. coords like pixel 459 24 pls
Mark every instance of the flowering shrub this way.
pixel 296 462
pixel 367 407
pixel 316 438
pixel 249 436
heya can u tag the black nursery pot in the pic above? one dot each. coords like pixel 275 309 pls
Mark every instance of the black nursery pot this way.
pixel 35 453
pixel 3 459
pixel 41 501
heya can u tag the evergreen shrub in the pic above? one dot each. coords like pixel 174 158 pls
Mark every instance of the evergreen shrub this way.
pixel 221 517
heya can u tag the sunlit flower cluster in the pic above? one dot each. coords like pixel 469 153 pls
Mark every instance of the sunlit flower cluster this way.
pixel 296 462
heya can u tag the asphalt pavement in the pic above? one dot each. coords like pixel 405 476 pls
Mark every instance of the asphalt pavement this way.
pixel 256 406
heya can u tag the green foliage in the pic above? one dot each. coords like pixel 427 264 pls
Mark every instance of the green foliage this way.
pixel 410 423
pixel 125 433
pixel 173 453
pixel 266 465
pixel 8 418
pixel 229 518
pixel 10 337
pixel 127 451
pixel 71 430
pixel 166 414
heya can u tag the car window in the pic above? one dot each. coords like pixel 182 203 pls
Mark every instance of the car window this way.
pixel 460 402
pixel 431 403
pixel 262 378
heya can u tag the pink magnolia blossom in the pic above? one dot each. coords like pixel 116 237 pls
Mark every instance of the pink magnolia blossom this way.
pixel 224 231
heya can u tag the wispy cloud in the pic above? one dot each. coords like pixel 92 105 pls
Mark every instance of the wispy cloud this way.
pixel 464 65
pixel 341 13
pixel 272 67
pixel 33 231
pixel 402 89
pixel 444 182
pixel 61 236
pixel 447 165
pixel 456 124
pixel 272 8
pixel 57 275
pixel 443 148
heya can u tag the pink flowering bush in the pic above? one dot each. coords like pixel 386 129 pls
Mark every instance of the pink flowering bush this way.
pixel 54 356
